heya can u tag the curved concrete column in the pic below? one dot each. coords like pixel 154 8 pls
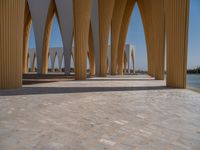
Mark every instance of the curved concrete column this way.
pixel 32 58
pixel 52 54
pixel 118 13
pixel 95 34
pixel 47 35
pixel 158 31
pixel 105 16
pixel 123 33
pixel 59 52
pixel 91 53
pixel 177 21
pixel 100 20
pixel 65 19
pixel 11 43
pixel 42 12
pixel 145 7
pixel 26 36
pixel 82 13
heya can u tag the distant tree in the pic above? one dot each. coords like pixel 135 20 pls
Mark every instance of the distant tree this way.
pixel 194 71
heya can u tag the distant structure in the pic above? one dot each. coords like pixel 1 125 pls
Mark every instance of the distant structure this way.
pixel 88 23
pixel 57 52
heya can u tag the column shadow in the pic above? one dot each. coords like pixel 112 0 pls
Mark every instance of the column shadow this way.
pixel 65 90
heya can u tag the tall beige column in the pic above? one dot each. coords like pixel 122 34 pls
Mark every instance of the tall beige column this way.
pixel 177 20
pixel 26 36
pixel 118 13
pixel 91 53
pixel 47 35
pixel 82 13
pixel 123 33
pixel 11 43
pixel 145 7
pixel 151 50
pixel 105 16
pixel 158 40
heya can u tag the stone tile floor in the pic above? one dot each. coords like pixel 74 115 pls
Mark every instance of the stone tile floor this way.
pixel 115 113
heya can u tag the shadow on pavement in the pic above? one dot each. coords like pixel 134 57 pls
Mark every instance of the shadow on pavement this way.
pixel 62 90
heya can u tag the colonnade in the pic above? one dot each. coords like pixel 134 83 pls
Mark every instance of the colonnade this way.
pixel 88 22
pixel 56 53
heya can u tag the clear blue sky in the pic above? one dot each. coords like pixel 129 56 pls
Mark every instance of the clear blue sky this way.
pixel 136 37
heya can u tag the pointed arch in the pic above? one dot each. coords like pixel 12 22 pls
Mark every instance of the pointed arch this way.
pixel 47 34
pixel 123 33
pixel 42 13
pixel 145 8
pixel 64 13
pixel 26 36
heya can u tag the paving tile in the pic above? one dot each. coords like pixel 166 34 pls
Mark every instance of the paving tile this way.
pixel 114 113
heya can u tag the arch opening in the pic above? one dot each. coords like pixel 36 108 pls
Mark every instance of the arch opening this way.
pixel 55 47
pixel 132 32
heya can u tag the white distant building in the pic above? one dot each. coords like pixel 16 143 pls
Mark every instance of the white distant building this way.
pixel 56 58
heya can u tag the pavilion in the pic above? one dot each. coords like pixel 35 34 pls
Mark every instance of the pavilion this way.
pixel 88 22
